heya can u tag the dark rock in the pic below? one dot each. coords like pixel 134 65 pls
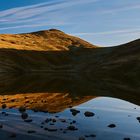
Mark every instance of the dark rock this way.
pixel 50 129
pixel 92 135
pixel 64 132
pixel 53 120
pixel 47 120
pixel 74 111
pixel 72 128
pixel 127 139
pixel 1 126
pixel 138 118
pixel 81 138
pixel 4 106
pixel 31 131
pixel 22 109
pixel 24 116
pixel 13 135
pixel 73 121
pixel 112 125
pixel 51 123
pixel 29 120
pixel 89 114
pixel 63 120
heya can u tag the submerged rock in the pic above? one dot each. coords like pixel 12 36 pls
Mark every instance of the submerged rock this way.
pixel 72 128
pixel 112 125
pixel 24 116
pixel 89 114
pixel 31 131
pixel 22 109
pixel 13 135
pixel 81 138
pixel 74 112
pixel 1 126
pixel 127 139
pixel 29 120
pixel 4 106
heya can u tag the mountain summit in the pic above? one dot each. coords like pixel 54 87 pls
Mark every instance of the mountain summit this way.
pixel 52 39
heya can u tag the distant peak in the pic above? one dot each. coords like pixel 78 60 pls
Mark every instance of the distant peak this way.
pixel 47 31
pixel 55 30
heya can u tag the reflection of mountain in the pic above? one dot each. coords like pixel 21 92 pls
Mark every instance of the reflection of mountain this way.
pixel 77 68
pixel 54 102
pixel 75 86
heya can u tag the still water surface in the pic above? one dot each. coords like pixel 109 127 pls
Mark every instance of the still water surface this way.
pixel 50 107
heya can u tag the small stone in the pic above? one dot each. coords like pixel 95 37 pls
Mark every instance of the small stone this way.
pixel 53 120
pixel 24 116
pixel 74 111
pixel 89 114
pixel 31 131
pixel 3 106
pixel 64 132
pixel 52 129
pixel 92 135
pixel 47 120
pixel 13 100
pixel 138 118
pixel 22 109
pixel 127 139
pixel 72 128
pixel 112 125
pixel 29 120
pixel 81 138
pixel 73 121
pixel 13 135
pixel 1 126
pixel 63 120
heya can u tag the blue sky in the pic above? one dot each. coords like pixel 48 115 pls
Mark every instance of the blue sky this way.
pixel 101 22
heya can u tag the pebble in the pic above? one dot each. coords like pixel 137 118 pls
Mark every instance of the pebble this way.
pixel 127 139
pixel 13 135
pixel 112 125
pixel 72 128
pixel 22 109
pixel 3 106
pixel 74 111
pixel 28 120
pixel 1 126
pixel 31 131
pixel 89 114
pixel 24 116
pixel 81 138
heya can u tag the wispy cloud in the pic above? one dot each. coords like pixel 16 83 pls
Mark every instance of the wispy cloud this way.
pixel 113 32
pixel 46 12
pixel 123 8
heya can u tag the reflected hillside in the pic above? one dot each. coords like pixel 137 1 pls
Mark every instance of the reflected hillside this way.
pixel 64 84
pixel 54 102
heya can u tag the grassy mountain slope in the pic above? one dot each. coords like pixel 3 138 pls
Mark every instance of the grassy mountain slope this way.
pixel 42 41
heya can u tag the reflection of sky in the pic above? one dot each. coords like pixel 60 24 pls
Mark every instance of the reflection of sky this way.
pixel 101 22
pixel 107 111
pixel 109 103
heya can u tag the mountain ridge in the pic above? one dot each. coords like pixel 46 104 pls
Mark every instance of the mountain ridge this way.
pixel 45 40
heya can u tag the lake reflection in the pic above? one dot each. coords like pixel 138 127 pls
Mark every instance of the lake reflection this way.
pixel 65 107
